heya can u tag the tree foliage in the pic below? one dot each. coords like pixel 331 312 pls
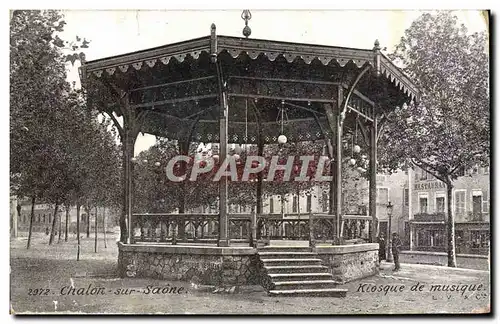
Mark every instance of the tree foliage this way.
pixel 448 130
pixel 60 152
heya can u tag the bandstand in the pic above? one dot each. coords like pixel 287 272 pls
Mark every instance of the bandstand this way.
pixel 220 89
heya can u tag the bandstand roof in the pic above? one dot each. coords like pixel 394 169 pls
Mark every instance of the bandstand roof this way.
pixel 176 87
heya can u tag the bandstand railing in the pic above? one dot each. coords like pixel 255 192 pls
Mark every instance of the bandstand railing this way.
pixel 203 228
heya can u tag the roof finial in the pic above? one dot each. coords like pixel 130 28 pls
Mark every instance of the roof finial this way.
pixel 246 16
pixel 376 51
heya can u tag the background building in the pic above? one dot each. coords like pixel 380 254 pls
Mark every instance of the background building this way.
pixel 470 202
pixel 44 213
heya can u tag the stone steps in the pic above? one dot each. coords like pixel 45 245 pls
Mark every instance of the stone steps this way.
pixel 288 255
pixel 296 271
pixel 304 284
pixel 300 276
pixel 277 262
pixel 317 292
pixel 285 249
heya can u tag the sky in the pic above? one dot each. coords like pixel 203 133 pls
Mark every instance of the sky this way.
pixel 113 32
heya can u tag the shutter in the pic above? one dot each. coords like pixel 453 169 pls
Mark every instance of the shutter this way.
pixel 485 202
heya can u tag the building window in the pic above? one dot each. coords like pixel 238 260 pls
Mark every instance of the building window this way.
pixel 325 202
pixel 436 237
pixel 480 239
pixel 382 196
pixel 424 175
pixel 295 204
pixel 477 205
pixel 430 238
pixel 422 202
pixel 440 203
pixel 460 202
pixel 406 196
pixel 309 203
pixel 271 205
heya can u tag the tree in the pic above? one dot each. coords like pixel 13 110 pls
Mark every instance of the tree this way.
pixel 448 130
pixel 38 89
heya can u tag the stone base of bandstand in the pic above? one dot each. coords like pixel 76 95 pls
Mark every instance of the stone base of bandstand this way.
pixel 233 265
pixel 210 265
pixel 350 262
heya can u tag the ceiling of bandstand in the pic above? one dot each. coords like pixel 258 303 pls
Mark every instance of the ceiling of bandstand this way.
pixel 271 91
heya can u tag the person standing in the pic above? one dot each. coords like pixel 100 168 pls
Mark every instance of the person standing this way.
pixel 381 248
pixel 396 245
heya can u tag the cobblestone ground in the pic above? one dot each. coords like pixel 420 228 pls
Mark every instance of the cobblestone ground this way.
pixel 42 277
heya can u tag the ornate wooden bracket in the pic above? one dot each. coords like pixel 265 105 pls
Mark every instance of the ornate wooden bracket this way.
pixel 352 87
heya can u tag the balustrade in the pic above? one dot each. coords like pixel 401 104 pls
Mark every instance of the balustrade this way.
pixel 203 228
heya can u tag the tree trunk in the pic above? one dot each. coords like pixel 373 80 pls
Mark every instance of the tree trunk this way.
pixel 87 209
pixel 104 227
pixel 95 231
pixel 450 227
pixel 78 231
pixel 16 217
pixel 123 216
pixel 66 224
pixel 32 218
pixel 54 220
pixel 60 229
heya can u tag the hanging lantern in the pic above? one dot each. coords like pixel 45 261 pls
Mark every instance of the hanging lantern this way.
pixel 157 164
pixel 237 149
pixel 352 162
pixel 282 139
pixel 144 161
pixel 133 160
pixel 356 149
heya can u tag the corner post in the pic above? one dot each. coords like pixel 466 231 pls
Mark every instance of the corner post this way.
pixel 312 239
pixel 338 166
pixel 373 178
pixel 223 116
pixel 253 226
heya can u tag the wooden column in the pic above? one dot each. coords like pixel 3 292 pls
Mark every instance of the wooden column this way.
pixel 223 219
pixel 373 179
pixel 338 167
pixel 129 189
pixel 181 223
pixel 128 201
pixel 312 238
pixel 260 152
pixel 335 199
